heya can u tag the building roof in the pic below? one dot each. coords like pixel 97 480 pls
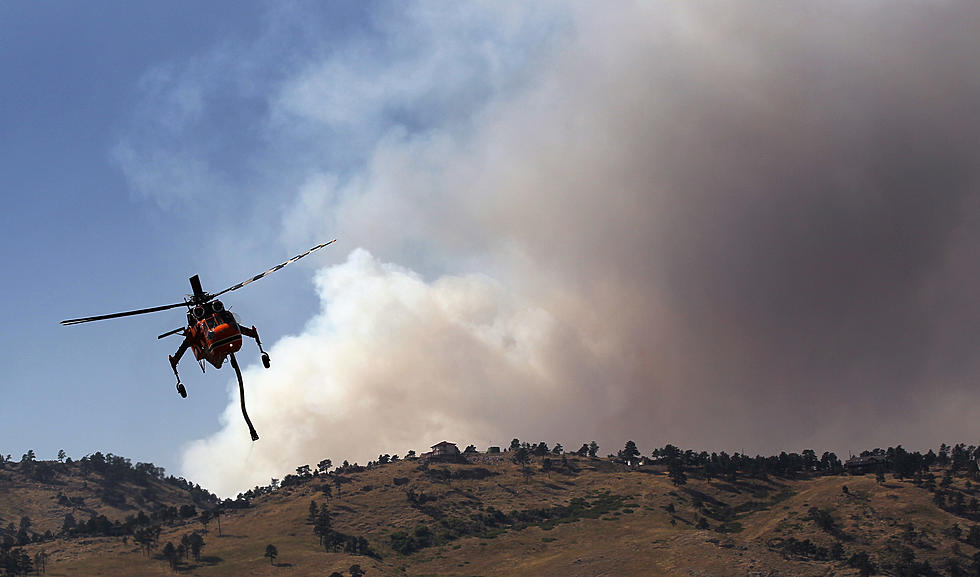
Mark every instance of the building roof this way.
pixel 865 460
pixel 444 444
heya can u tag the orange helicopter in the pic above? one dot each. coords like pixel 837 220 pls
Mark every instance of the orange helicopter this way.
pixel 212 332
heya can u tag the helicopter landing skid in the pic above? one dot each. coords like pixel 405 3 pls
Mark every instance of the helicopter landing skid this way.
pixel 174 359
pixel 241 391
pixel 254 333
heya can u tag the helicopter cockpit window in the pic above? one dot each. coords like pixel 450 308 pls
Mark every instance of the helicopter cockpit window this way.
pixel 225 317
pixel 212 323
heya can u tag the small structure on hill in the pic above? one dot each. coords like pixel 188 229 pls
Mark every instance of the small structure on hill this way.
pixel 444 452
pixel 444 449
pixel 870 463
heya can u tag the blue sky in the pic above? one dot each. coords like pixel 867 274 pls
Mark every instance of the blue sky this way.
pixel 142 144
pixel 719 227
pixel 81 239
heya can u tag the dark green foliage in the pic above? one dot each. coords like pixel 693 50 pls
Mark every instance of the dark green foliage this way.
pixel 863 563
pixel 837 551
pixel 675 470
pixel 418 499
pixel 804 548
pixel 824 520
pixel 206 516
pixel 356 571
pixel 323 466
pixel 406 543
pixel 445 474
pixel 170 554
pixel 15 561
pixel 69 523
pixel 113 497
pixel 350 544
pixel 196 543
pixel 629 452
pixel 271 552
pixel 146 538
pixel 492 522
pixel 334 540
pixel 973 536
pixel 322 524
pixel 42 472
pixel 729 527
pixel 905 565
pixel 521 457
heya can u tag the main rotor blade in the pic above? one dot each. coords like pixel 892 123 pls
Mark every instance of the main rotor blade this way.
pixel 272 270
pixel 125 314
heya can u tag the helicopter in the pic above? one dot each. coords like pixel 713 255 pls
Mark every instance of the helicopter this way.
pixel 212 332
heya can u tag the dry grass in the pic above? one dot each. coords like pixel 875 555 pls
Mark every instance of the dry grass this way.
pixel 637 538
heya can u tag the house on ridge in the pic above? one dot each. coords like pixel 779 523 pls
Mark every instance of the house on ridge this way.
pixel 444 451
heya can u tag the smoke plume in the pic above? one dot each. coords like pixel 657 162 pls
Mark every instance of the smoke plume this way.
pixel 714 225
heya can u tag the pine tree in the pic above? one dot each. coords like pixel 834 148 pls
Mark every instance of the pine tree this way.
pixel 675 470
pixel 629 452
pixel 322 524
pixel 593 449
pixel 196 544
pixel 170 554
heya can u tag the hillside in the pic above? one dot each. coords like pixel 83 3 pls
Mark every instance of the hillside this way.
pixel 584 516
pixel 94 495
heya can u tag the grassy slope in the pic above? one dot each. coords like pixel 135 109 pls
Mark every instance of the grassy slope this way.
pixel 21 496
pixel 636 540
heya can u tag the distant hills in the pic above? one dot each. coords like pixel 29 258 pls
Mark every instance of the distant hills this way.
pixel 530 510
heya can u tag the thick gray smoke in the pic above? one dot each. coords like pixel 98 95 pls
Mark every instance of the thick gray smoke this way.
pixel 717 226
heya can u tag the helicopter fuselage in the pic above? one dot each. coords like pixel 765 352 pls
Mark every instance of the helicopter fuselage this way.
pixel 214 337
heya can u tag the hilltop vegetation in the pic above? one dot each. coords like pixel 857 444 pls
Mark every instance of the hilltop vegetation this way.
pixel 532 509
pixel 99 495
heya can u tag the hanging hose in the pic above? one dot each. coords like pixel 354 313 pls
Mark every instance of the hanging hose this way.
pixel 241 390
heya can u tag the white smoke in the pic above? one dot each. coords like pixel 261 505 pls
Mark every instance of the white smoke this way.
pixel 698 225
pixel 390 363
